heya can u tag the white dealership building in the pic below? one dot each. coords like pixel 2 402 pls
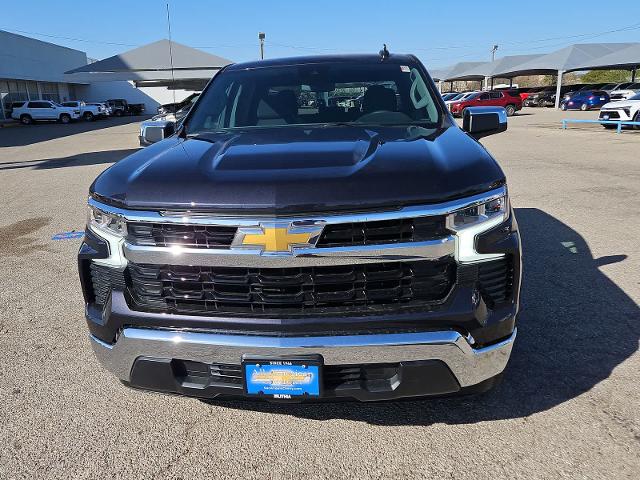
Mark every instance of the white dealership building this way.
pixel 32 69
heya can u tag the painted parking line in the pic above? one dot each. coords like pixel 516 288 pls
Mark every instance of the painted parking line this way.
pixel 68 235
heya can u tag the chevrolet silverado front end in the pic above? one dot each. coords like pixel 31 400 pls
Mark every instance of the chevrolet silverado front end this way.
pixel 281 247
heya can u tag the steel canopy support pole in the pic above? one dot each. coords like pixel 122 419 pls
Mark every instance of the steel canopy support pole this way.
pixel 511 82
pixel 440 86
pixel 633 73
pixel 558 88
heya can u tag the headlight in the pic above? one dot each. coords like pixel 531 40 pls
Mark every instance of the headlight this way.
pixel 106 222
pixel 468 222
pixel 478 214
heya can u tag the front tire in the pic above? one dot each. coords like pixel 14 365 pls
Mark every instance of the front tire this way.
pixel 88 116
pixel 563 107
pixel 26 119
pixel 65 118
pixel 511 110
pixel 118 113
pixel 637 119
pixel 584 107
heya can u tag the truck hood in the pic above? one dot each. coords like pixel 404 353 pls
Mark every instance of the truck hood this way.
pixel 297 169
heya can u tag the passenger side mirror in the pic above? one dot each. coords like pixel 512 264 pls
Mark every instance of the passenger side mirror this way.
pixel 484 121
pixel 152 131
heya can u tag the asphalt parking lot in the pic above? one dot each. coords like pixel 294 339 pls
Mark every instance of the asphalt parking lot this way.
pixel 569 406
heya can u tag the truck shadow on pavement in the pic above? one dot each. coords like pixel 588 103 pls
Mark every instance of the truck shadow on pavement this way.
pixel 574 328
pixel 21 135
pixel 81 159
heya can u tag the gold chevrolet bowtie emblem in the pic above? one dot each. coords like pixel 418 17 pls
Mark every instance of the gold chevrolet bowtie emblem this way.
pixel 277 238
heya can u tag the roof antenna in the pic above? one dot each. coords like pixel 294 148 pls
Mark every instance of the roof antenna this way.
pixel 384 53
pixel 173 79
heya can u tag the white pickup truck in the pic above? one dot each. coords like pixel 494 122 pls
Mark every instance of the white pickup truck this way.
pixel 34 110
pixel 88 111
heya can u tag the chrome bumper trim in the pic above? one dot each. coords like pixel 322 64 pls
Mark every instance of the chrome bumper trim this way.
pixel 299 257
pixel 202 218
pixel 469 365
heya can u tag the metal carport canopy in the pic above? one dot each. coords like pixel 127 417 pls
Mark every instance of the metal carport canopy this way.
pixel 484 71
pixel 571 58
pixel 438 74
pixel 454 72
pixel 626 58
pixel 161 63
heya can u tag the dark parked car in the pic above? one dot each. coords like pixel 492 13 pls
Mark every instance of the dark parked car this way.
pixel 174 107
pixel 540 97
pixel 120 107
pixel 295 254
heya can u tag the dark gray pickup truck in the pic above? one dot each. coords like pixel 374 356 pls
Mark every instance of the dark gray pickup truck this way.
pixel 277 247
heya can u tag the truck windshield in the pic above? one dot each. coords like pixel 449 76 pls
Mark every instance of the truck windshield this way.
pixel 316 94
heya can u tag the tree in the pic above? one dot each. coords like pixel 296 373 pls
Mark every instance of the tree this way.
pixel 609 76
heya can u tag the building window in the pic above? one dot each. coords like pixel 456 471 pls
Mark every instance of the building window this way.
pixel 32 90
pixel 5 110
pixel 49 91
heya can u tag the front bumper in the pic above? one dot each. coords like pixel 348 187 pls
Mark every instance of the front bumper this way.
pixel 459 343
pixel 416 364
pixel 615 114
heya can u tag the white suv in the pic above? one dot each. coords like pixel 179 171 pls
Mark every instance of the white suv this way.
pixel 35 110
pixel 624 110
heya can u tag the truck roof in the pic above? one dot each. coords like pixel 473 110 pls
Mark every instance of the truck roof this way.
pixel 394 58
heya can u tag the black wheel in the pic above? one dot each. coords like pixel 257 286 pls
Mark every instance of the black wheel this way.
pixel 563 106
pixel 26 119
pixel 511 110
pixel 584 107
pixel 637 119
pixel 88 116
pixel 65 118
pixel 118 113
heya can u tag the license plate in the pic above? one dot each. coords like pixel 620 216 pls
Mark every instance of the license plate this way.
pixel 282 378
pixel 605 117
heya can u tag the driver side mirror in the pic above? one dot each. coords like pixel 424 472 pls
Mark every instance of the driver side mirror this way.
pixel 153 131
pixel 484 121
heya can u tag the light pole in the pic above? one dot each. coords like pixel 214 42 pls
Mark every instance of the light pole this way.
pixel 261 38
pixel 493 52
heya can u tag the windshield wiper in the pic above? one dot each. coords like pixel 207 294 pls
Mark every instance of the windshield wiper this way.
pixel 199 136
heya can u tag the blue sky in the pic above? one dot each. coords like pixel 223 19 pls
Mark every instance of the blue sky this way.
pixel 438 34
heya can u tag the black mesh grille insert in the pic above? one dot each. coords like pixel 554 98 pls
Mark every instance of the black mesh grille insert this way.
pixel 495 280
pixel 103 280
pixel 310 290
pixel 168 234
pixel 383 231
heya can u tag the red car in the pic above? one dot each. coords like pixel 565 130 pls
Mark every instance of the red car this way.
pixel 508 99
